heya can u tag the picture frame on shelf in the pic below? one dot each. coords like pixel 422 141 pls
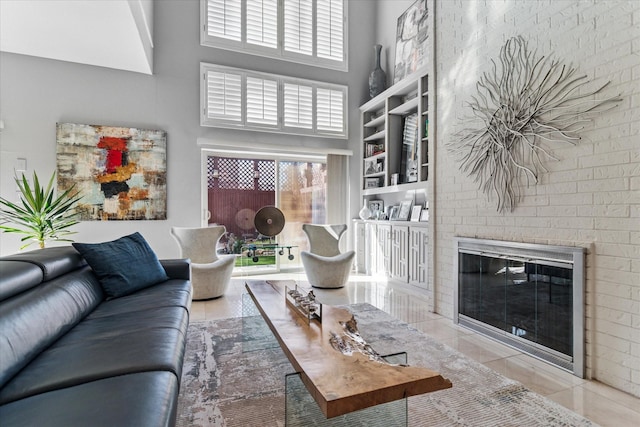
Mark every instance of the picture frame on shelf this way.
pixel 424 215
pixel 370 166
pixel 371 183
pixel 415 213
pixel 404 210
pixel 393 213
pixel 376 206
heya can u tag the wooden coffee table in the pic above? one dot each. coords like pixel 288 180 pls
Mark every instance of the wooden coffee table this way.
pixel 339 383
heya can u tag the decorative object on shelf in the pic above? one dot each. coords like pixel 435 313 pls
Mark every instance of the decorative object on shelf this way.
pixel 415 213
pixel 404 210
pixel 411 40
pixel 409 162
pixel 365 212
pixel 121 171
pixel 394 178
pixel 424 215
pixel 40 216
pixel 523 102
pixel 377 78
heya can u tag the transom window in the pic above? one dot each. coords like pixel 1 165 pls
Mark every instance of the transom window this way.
pixel 306 31
pixel 237 98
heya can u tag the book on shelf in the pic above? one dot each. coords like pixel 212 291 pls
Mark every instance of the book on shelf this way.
pixel 373 150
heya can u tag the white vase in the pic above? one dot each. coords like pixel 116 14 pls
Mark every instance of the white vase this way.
pixel 365 212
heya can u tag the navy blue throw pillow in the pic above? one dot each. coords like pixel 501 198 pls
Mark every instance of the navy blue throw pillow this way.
pixel 124 265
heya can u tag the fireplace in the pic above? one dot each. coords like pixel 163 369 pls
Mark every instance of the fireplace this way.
pixel 528 296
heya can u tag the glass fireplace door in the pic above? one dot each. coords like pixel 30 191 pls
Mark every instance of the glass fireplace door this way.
pixel 482 293
pixel 528 299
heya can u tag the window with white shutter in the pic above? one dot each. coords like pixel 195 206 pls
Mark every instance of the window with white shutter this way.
pixel 298 106
pixel 329 29
pixel 330 110
pixel 262 101
pixel 305 31
pixel 245 99
pixel 224 95
pixel 224 19
pixel 298 28
pixel 262 23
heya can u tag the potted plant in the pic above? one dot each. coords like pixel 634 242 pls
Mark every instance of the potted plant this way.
pixel 40 216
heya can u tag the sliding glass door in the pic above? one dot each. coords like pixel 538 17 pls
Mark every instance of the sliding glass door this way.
pixel 238 187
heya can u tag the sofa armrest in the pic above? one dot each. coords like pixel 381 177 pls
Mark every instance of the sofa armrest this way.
pixel 177 268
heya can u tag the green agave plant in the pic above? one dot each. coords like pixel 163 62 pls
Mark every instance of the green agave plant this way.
pixel 40 216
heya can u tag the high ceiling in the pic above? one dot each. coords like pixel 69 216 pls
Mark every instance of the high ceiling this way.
pixel 106 33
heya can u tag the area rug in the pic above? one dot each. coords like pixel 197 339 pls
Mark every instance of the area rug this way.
pixel 234 376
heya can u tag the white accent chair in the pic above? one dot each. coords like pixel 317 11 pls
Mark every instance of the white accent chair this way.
pixel 325 265
pixel 210 274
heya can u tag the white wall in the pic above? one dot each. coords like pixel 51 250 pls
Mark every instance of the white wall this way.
pixel 590 197
pixel 36 93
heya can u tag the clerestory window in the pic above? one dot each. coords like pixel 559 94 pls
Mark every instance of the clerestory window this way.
pixel 305 31
pixel 238 98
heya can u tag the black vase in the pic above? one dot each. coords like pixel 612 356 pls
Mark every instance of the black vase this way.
pixel 377 78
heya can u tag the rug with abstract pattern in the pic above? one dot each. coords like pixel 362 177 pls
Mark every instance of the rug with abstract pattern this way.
pixel 234 376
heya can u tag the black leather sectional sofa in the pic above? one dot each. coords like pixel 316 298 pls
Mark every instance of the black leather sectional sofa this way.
pixel 70 356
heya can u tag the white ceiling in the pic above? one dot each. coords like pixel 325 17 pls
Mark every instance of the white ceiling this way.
pixel 107 33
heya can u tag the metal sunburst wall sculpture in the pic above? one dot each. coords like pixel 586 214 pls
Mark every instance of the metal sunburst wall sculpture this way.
pixel 522 104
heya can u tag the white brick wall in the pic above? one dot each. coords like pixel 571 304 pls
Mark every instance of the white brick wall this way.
pixel 590 197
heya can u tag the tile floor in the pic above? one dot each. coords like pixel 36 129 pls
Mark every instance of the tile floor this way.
pixel 594 400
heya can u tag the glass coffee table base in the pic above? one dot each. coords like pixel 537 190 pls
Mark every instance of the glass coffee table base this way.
pixel 256 334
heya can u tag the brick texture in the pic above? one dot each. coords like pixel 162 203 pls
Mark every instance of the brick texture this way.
pixel 590 196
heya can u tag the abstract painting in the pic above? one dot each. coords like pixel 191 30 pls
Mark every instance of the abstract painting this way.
pixel 411 40
pixel 121 172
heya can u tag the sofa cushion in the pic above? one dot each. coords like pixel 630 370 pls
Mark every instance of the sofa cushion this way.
pixel 17 277
pixel 143 399
pixel 54 262
pixel 33 320
pixel 124 265
pixel 172 293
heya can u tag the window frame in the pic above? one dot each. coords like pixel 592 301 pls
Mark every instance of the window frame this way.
pixel 280 126
pixel 279 52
